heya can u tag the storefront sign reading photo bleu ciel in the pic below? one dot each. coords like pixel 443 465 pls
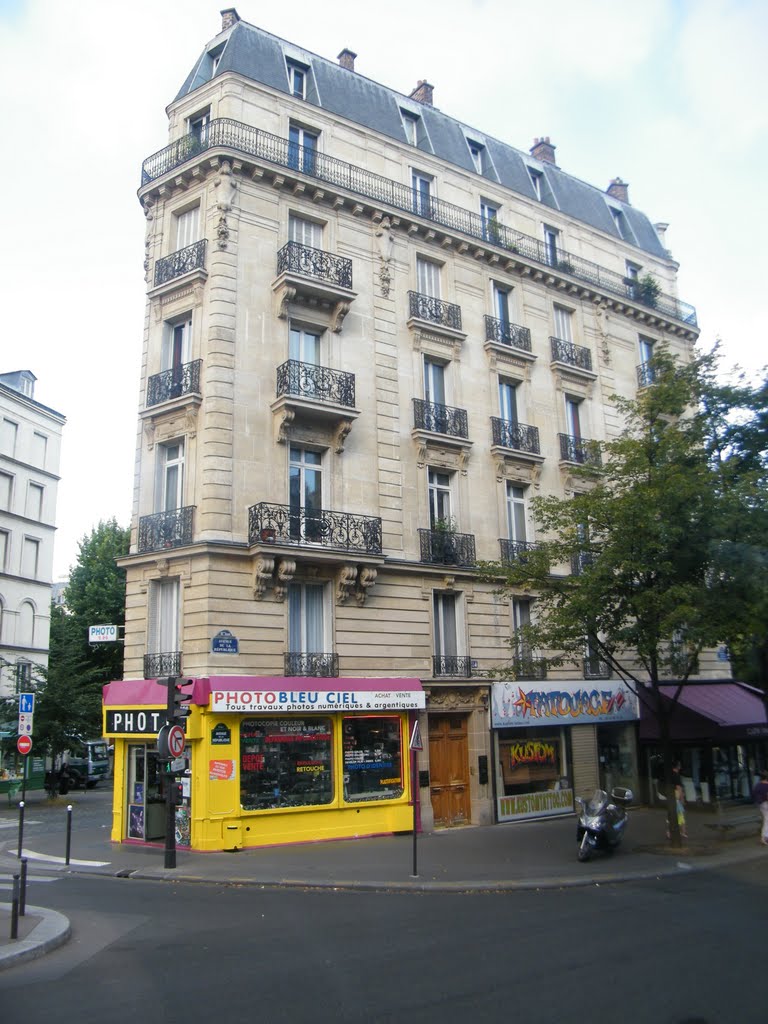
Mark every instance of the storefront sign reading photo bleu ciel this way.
pixel 224 642
pixel 220 734
pixel 562 703
pixel 134 723
pixel 364 695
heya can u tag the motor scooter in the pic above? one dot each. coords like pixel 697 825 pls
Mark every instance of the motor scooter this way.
pixel 602 821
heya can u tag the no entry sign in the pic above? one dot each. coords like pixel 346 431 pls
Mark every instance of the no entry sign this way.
pixel 24 744
pixel 176 741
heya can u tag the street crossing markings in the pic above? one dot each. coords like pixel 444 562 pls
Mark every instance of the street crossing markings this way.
pixel 48 858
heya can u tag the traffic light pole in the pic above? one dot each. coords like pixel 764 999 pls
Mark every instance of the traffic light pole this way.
pixel 170 806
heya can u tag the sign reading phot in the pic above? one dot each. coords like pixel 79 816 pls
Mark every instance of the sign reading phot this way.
pixel 517 704
pixel 317 700
pixel 124 721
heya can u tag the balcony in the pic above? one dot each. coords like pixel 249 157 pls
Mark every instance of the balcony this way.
pixel 580 561
pixel 167 663
pixel 444 547
pixel 645 375
pixel 504 333
pixel 256 147
pixel 527 667
pixel 517 436
pixel 313 277
pixel 580 451
pixel 316 383
pixel 458 666
pixel 596 668
pixel 515 550
pixel 434 311
pixel 316 664
pixel 175 383
pixel 289 525
pixel 185 261
pixel 575 357
pixel 439 419
pixel 171 529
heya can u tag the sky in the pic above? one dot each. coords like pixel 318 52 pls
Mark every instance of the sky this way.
pixel 669 95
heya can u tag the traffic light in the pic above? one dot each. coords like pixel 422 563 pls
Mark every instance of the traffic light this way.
pixel 176 791
pixel 179 696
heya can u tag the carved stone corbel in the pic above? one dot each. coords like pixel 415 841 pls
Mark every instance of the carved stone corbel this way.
pixel 283 299
pixel 339 313
pixel 463 459
pixel 366 578
pixel 161 566
pixel 149 434
pixel 340 435
pixel 421 455
pixel 284 420
pixel 449 582
pixel 263 575
pixel 345 579
pixel 285 573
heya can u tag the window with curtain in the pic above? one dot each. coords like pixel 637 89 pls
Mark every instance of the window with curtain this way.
pixel 306 619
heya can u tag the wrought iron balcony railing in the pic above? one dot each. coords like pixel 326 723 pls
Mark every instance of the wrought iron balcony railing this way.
pixel 645 375
pixel 166 529
pixel 288 524
pixel 520 436
pixel 527 667
pixel 596 668
pixel 295 258
pixel 580 561
pixel 515 550
pixel 318 383
pixel 506 333
pixel 312 663
pixel 440 419
pixel 167 663
pixel 444 547
pixel 580 450
pixel 242 138
pixel 574 355
pixel 174 383
pixel 192 257
pixel 436 311
pixel 456 665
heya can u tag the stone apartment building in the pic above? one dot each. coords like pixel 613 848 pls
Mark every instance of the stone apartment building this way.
pixel 30 451
pixel 372 334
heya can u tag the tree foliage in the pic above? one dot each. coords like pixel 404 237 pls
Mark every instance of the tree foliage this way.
pixel 647 563
pixel 68 705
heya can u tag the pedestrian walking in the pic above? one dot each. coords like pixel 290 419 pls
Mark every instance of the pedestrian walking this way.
pixel 679 791
pixel 760 796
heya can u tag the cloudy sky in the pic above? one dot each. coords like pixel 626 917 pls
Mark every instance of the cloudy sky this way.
pixel 669 95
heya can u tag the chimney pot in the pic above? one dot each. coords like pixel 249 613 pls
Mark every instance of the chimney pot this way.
pixel 542 149
pixel 229 17
pixel 619 189
pixel 347 59
pixel 422 93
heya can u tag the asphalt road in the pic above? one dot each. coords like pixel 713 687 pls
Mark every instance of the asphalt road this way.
pixel 688 950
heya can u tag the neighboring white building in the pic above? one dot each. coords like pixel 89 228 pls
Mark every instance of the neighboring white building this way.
pixel 30 452
pixel 372 334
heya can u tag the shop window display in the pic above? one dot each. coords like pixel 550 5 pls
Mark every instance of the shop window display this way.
pixel 531 762
pixel 285 763
pixel 373 767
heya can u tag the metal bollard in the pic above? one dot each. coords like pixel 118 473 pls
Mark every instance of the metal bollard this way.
pixel 23 892
pixel 21 827
pixel 69 832
pixel 15 909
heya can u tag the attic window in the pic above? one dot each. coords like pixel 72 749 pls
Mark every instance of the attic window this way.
pixel 297 80
pixel 411 127
pixel 536 177
pixel 215 56
pixel 476 151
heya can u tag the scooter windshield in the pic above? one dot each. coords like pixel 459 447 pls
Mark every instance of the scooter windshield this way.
pixel 597 802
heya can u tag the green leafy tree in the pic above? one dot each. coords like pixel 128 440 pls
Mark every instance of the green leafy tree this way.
pixel 68 705
pixel 635 567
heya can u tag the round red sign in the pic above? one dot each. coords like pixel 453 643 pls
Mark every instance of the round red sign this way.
pixel 24 744
pixel 176 741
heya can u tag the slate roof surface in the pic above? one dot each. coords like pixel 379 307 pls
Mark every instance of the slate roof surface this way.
pixel 260 56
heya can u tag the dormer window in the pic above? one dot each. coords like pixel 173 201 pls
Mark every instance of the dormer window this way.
pixel 297 80
pixel 411 127
pixel 476 151
pixel 536 177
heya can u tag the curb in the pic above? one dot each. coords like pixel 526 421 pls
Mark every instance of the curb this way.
pixel 53 931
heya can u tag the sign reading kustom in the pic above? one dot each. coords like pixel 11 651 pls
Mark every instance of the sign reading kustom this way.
pixel 102 634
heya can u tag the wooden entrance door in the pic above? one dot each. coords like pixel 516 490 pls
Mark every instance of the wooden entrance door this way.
pixel 449 769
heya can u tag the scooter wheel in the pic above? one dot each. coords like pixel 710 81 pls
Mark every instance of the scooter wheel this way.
pixel 584 848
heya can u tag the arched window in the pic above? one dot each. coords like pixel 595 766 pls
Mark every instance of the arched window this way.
pixel 25 636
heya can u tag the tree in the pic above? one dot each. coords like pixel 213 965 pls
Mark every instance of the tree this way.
pixel 646 538
pixel 68 705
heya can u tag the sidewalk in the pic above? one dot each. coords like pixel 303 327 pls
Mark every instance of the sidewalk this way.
pixel 520 855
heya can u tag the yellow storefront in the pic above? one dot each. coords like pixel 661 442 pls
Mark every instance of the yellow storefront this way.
pixel 267 760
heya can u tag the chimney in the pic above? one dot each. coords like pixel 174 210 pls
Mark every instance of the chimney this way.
pixel 347 59
pixel 229 17
pixel 542 149
pixel 422 93
pixel 619 189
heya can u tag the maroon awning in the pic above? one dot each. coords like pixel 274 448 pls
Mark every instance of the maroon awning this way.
pixel 711 711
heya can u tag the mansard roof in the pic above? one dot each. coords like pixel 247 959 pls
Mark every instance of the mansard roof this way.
pixel 260 56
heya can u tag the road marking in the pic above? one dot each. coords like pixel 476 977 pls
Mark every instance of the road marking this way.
pixel 7 881
pixel 6 823
pixel 50 859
